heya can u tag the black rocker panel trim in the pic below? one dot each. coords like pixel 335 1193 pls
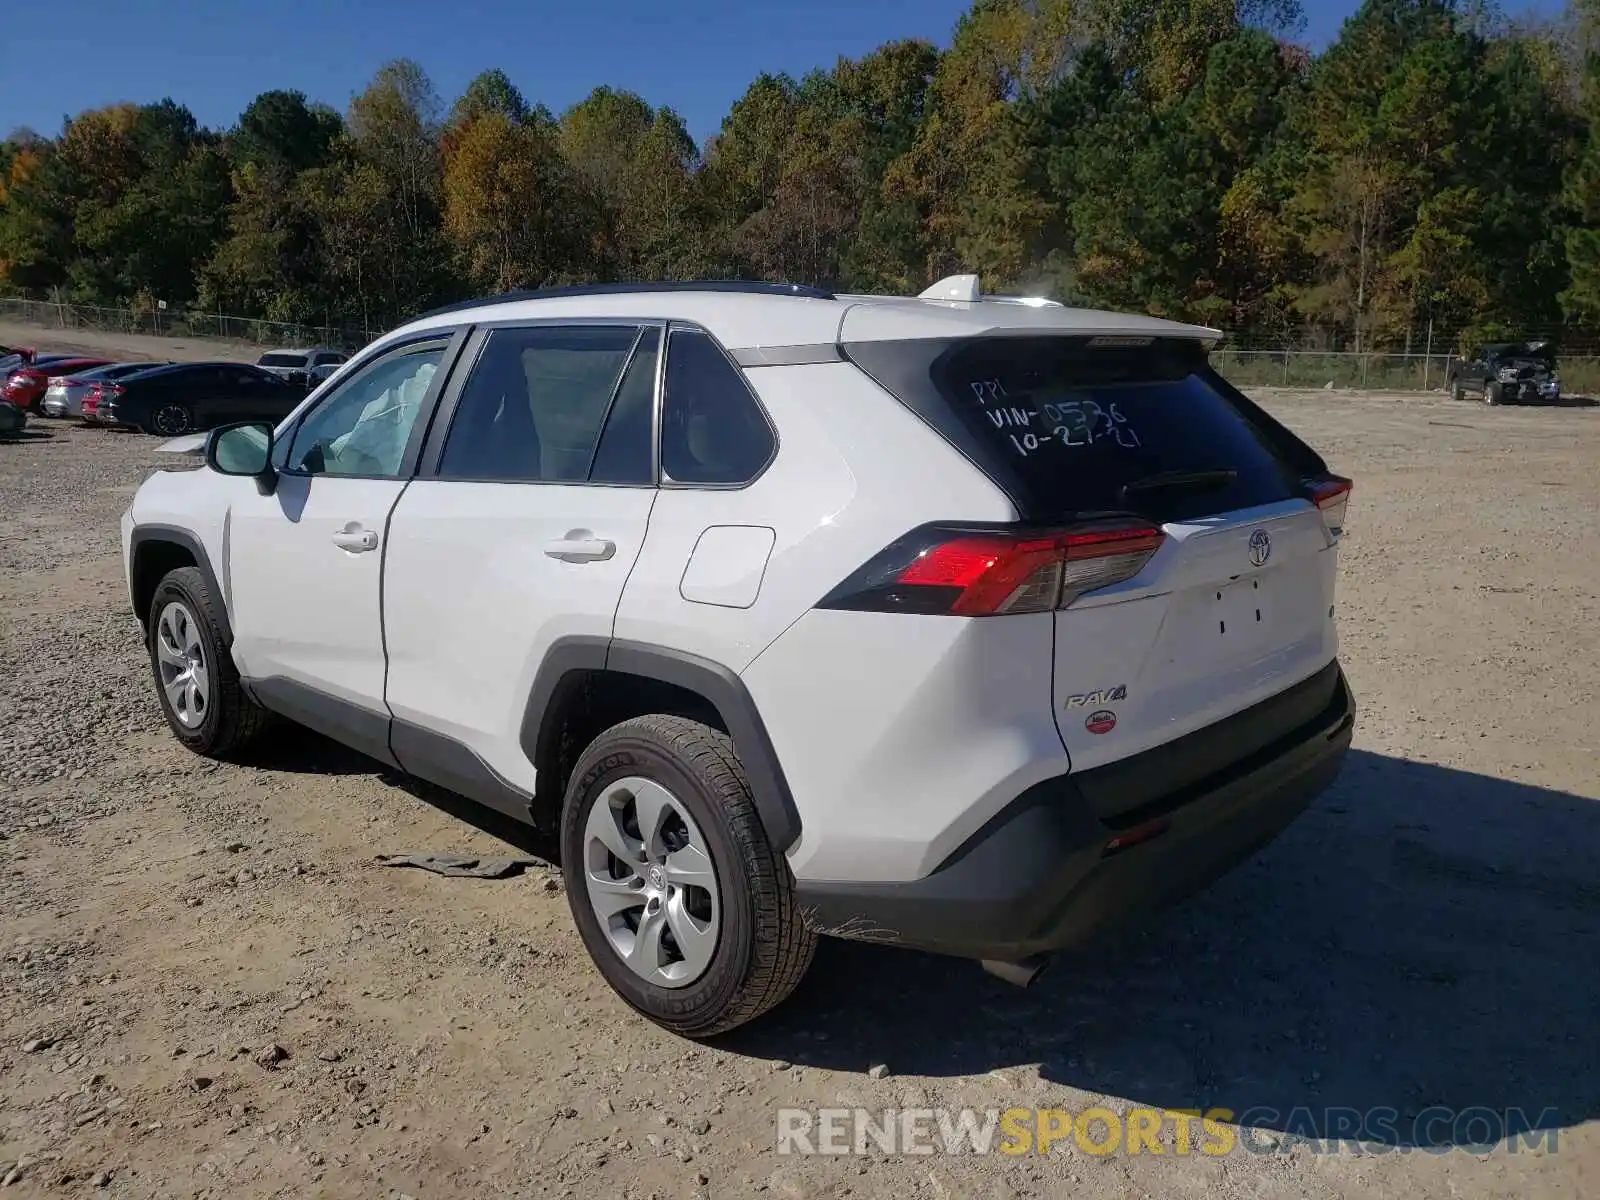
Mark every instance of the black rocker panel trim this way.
pixel 450 764
pixel 359 728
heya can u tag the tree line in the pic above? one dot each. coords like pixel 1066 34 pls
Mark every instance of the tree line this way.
pixel 1437 162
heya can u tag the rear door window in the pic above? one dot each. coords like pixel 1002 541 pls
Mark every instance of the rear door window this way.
pixel 533 407
pixel 1067 428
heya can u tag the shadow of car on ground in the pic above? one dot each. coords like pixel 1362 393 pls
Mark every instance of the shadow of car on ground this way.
pixel 1421 944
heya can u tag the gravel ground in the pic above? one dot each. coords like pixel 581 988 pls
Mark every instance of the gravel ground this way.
pixel 207 987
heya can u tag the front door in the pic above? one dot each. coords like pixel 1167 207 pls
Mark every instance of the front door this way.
pixel 305 563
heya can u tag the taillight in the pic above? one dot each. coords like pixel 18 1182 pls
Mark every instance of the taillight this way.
pixel 1332 496
pixel 968 572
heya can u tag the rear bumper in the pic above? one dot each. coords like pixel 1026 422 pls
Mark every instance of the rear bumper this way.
pixel 1041 876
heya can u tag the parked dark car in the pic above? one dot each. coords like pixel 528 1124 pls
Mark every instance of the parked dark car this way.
pixel 1508 373
pixel 184 397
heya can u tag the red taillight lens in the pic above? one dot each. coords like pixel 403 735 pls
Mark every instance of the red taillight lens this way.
pixel 974 573
pixel 1332 496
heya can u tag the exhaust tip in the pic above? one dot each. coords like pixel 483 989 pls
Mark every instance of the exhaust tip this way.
pixel 1022 972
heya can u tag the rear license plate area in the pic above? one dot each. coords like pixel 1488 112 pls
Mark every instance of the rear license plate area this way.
pixel 1239 613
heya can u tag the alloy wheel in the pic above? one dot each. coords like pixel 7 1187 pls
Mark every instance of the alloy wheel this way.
pixel 172 419
pixel 651 882
pixel 181 658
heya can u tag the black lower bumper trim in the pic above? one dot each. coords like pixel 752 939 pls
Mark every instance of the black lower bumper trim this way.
pixel 1038 877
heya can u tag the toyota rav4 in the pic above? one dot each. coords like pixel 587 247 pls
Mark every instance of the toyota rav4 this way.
pixel 965 623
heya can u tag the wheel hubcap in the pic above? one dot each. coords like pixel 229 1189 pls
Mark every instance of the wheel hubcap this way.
pixel 172 419
pixel 650 882
pixel 181 658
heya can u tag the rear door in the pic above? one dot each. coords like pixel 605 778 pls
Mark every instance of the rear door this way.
pixel 1234 607
pixel 527 515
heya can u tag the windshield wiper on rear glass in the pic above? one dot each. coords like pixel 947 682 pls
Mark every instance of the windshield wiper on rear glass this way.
pixel 1185 480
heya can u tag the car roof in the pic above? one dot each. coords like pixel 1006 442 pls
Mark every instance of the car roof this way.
pixel 752 316
pixel 175 367
pixel 303 350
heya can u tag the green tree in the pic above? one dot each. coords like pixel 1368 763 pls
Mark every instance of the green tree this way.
pixel 280 130
pixel 1581 299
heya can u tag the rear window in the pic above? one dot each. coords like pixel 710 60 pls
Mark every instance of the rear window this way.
pixel 281 360
pixel 1067 428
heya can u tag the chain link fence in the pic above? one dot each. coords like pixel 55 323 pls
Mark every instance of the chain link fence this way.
pixel 1376 371
pixel 1242 357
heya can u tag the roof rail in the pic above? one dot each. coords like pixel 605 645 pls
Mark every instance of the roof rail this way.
pixel 965 289
pixel 754 287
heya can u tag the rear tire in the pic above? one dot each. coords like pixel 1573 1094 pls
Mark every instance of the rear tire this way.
pixel 757 945
pixel 1493 394
pixel 196 682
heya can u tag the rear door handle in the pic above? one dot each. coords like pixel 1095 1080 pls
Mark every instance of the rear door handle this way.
pixel 581 546
pixel 356 540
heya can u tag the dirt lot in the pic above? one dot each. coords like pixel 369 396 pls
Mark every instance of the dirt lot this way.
pixel 126 347
pixel 1425 936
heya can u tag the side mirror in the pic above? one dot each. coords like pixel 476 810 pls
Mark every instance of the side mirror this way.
pixel 244 449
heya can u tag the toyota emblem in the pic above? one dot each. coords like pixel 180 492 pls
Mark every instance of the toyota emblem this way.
pixel 1260 548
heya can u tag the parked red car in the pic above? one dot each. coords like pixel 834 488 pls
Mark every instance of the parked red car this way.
pixel 27 385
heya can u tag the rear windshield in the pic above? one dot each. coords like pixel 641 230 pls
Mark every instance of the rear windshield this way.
pixel 281 360
pixel 1067 428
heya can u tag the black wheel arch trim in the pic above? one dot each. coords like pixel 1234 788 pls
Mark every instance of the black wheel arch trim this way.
pixel 145 534
pixel 718 685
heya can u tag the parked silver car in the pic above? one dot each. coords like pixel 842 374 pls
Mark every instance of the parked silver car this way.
pixel 297 365
pixel 64 395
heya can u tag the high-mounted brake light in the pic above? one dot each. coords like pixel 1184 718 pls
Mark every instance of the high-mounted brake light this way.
pixel 1332 496
pixel 984 573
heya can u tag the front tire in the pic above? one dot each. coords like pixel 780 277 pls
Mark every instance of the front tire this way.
pixel 197 684
pixel 1493 393
pixel 678 895
pixel 170 420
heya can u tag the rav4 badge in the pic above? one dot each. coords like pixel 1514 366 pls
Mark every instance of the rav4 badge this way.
pixel 1103 696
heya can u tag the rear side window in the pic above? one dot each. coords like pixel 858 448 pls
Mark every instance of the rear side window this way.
pixel 533 407
pixel 712 430
pixel 1068 429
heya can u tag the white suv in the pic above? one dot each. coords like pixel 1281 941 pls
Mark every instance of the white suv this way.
pixel 955 622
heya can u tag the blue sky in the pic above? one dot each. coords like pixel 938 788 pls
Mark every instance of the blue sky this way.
pixel 215 55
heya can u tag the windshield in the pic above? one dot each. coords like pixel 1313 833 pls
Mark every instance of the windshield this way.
pixel 281 360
